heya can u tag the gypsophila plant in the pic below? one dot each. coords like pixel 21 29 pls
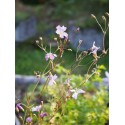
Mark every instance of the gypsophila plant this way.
pixel 68 99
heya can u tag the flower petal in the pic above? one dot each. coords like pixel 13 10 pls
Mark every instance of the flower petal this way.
pixel 63 28
pixel 55 77
pixel 73 90
pixel 65 34
pixel 75 95
pixel 80 91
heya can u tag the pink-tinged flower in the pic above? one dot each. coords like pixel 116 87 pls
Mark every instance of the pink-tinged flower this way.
pixel 94 49
pixel 61 31
pixel 76 92
pixel 43 114
pixel 52 79
pixel 19 107
pixel 50 56
pixel 29 120
pixel 37 108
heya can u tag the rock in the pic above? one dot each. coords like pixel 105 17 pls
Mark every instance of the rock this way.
pixel 26 80
pixel 25 29
pixel 88 36
pixel 22 83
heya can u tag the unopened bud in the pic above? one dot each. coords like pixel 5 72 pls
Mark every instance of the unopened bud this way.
pixel 69 49
pixel 80 41
pixel 85 52
pixel 21 108
pixel 104 52
pixel 20 117
pixel 17 110
pixel 103 17
pixel 41 38
pixel 41 102
pixel 107 14
pixel 50 73
pixel 55 39
pixel 93 16
pixel 37 41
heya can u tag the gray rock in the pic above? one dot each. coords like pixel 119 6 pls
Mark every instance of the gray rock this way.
pixel 25 29
pixel 88 36
pixel 26 80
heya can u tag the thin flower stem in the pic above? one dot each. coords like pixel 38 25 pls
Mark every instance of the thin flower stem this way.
pixel 46 67
pixel 50 47
pixel 105 25
pixel 44 85
pixel 104 41
pixel 90 67
pixel 87 79
pixel 24 117
pixel 99 25
pixel 34 90
pixel 41 48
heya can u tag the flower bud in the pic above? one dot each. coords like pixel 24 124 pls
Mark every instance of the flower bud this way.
pixel 29 120
pixel 17 110
pixel 104 52
pixel 43 114
pixel 80 41
pixel 20 117
pixel 85 52
pixel 55 39
pixel 37 41
pixel 41 102
pixel 103 17
pixel 21 108
pixel 93 16
pixel 41 38
pixel 107 14
pixel 69 49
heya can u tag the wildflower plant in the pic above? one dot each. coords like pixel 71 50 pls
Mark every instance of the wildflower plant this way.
pixel 62 88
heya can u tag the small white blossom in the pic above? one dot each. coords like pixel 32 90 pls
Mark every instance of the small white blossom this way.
pixel 76 92
pixel 61 31
pixel 52 79
pixel 37 108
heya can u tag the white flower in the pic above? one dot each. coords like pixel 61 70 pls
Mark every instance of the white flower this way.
pixel 94 49
pixel 50 56
pixel 37 108
pixel 52 79
pixel 76 92
pixel 61 31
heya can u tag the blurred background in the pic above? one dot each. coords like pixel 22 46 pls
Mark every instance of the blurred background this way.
pixel 35 18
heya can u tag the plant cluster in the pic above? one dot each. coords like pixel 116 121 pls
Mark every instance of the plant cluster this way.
pixel 67 98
